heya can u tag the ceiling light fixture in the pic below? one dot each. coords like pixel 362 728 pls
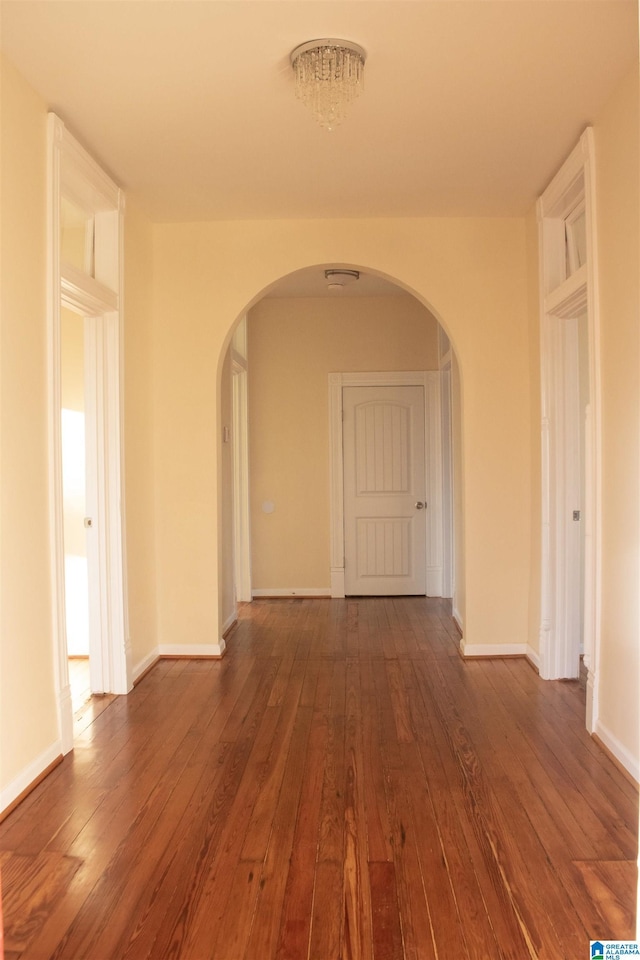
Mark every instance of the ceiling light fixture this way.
pixel 329 75
pixel 337 279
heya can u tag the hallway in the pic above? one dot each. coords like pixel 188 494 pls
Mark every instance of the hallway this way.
pixel 341 785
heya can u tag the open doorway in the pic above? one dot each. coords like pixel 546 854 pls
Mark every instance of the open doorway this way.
pixel 74 500
pixel 299 337
pixel 570 425
pixel 84 307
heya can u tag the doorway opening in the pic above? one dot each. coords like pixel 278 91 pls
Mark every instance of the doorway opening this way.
pixel 297 337
pixel 570 425
pixel 85 479
pixel 74 497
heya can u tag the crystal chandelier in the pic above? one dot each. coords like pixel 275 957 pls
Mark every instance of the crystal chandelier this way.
pixel 329 74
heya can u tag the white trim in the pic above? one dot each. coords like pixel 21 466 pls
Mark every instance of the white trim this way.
pixel 188 651
pixel 231 620
pixel 336 485
pixel 82 179
pixel 84 294
pixel 619 751
pixel 29 774
pixel 145 663
pixel 533 656
pixel 241 512
pixel 471 650
pixel 193 650
pixel 430 381
pixel 72 173
pixel 448 540
pixel 569 297
pixel 563 298
pixel 564 191
pixel 385 378
pixel 293 592
pixel 56 516
pixel 433 466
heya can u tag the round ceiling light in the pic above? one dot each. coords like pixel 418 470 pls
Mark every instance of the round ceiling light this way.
pixel 337 279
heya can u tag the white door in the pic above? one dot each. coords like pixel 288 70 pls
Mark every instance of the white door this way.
pixel 384 490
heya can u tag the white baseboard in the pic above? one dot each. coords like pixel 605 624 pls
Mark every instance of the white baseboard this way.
pixel 192 649
pixel 434 581
pixel 470 650
pixel 619 751
pixel 337 582
pixel 229 622
pixel 29 775
pixel 293 592
pixel 180 650
pixel 145 663
pixel 533 656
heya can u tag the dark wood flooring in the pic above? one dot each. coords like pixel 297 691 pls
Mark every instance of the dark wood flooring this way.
pixel 340 785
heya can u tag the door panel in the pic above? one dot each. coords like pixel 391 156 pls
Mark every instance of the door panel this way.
pixel 384 478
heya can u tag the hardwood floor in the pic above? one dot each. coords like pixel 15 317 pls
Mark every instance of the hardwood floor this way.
pixel 340 785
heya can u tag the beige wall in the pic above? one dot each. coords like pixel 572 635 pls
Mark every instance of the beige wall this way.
pixel 293 346
pixel 617 165
pixel 472 273
pixel 28 716
pixel 139 472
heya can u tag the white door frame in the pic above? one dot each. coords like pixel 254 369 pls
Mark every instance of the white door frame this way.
pixel 565 293
pixel 430 381
pixel 73 174
pixel 447 482
pixel 241 514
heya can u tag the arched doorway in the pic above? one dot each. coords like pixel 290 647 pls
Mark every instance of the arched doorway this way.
pixel 304 333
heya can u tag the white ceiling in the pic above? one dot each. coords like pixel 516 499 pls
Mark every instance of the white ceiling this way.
pixel 469 106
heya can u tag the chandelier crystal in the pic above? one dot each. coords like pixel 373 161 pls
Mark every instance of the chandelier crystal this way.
pixel 329 75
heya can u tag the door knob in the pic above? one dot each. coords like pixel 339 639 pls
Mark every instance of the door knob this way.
pixel 420 505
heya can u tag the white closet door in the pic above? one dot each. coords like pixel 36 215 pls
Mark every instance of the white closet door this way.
pixel 384 491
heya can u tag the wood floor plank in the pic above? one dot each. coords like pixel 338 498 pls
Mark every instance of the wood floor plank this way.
pixel 263 940
pixel 32 885
pixel 212 896
pixel 229 937
pixel 297 906
pixel 387 931
pixel 183 925
pixel 331 834
pixel 420 827
pixel 357 921
pixel 569 757
pixel 326 920
pixel 414 907
pixel 376 812
pixel 478 933
pixel 260 826
pixel 523 861
pixel 512 936
pixel 608 884
pixel 341 785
